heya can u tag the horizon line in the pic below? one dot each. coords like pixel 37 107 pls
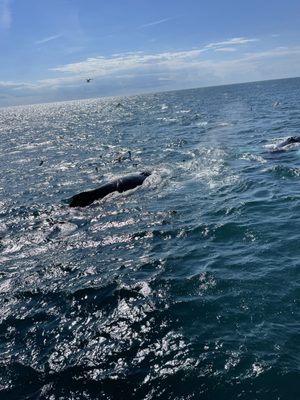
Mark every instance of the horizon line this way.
pixel 146 93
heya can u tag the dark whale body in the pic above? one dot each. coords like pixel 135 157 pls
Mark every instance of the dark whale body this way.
pixel 290 140
pixel 120 185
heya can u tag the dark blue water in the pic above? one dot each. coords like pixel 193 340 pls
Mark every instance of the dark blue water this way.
pixel 186 287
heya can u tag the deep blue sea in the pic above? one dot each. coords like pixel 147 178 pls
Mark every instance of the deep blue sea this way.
pixel 187 287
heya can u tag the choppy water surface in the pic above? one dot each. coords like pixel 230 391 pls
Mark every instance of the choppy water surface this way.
pixel 186 287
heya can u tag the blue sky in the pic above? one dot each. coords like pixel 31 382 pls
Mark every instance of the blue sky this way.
pixel 49 47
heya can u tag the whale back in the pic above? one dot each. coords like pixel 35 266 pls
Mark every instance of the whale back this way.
pixel 290 140
pixel 130 182
pixel 86 198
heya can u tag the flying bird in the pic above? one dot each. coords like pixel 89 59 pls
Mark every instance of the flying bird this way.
pixel 89 80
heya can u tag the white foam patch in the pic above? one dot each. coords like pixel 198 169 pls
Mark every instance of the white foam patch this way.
pixel 66 228
pixel 144 288
pixel 253 157
pixel 204 123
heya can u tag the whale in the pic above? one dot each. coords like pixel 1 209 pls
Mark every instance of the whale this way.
pixel 120 185
pixel 288 141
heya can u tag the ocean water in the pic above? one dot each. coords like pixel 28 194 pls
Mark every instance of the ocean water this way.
pixel 186 287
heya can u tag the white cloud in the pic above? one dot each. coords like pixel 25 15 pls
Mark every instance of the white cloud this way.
pixel 108 65
pixel 277 52
pixel 6 83
pixel 226 49
pixel 48 39
pixel 161 21
pixel 189 68
pixel 103 65
pixel 174 70
pixel 231 42
pixel 5 14
pixel 138 72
